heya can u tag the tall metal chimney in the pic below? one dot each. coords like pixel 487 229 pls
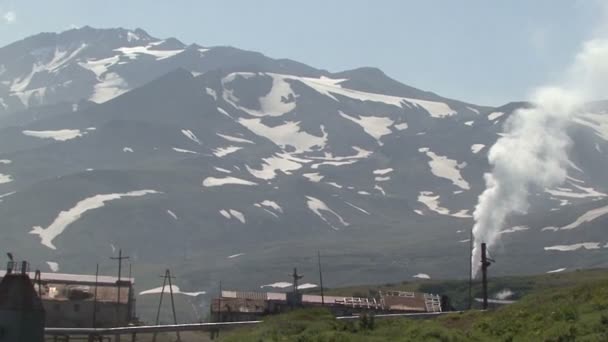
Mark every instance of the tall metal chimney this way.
pixel 485 263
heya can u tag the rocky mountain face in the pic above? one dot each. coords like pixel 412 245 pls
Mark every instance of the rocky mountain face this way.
pixel 224 164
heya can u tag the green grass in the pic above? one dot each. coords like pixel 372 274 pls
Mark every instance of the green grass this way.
pixel 549 312
pixel 458 290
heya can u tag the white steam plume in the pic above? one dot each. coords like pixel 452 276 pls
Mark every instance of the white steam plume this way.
pixel 533 152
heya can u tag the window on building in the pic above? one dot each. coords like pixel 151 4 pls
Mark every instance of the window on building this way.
pixel 76 307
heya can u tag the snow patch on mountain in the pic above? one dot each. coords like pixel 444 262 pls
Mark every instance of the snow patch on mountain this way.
pixel 475 148
pixel 59 135
pixel 278 285
pixel 274 103
pixel 66 218
pixel 225 213
pixel 574 247
pixel 381 172
pixel 585 193
pixel 314 177
pixel 181 150
pixel 214 181
pixel 401 126
pixel 324 86
pixel 286 134
pixel 5 178
pixel 514 229
pixel 279 162
pixel 495 115
pixel 100 66
pixel 238 215
pixel 188 133
pixel 444 167
pixel 53 266
pixel 224 151
pixel 234 139
pixel 431 201
pixel 174 288
pixel 422 276
pixel 133 52
pixel 172 214
pixel 111 85
pixel 330 87
pixel 222 169
pixel 375 126
pixel 6 194
pixel 318 207
pixel 358 208
pixel 272 204
pixel 211 93
pixel 587 217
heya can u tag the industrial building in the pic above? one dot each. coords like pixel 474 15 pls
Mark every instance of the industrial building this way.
pixel 240 306
pixel 83 301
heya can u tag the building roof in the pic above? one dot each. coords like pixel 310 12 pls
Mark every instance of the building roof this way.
pixel 77 278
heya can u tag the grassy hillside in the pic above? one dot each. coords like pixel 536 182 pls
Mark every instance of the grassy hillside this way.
pixel 550 312
pixel 458 290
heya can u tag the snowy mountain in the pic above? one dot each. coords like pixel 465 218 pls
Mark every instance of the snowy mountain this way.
pixel 226 164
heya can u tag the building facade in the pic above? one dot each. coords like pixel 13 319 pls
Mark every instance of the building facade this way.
pixel 81 301
pixel 243 306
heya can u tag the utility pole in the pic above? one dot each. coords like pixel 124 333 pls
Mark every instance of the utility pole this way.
pixel 296 277
pixel 219 305
pixel 295 297
pixel 166 279
pixel 95 297
pixel 321 278
pixel 120 258
pixel 485 263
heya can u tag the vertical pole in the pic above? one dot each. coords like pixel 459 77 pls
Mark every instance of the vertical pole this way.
pixel 484 272
pixel 321 279
pixel 219 304
pixel 38 278
pixel 129 297
pixel 160 303
pixel 95 297
pixel 173 304
pixel 471 245
pixel 118 283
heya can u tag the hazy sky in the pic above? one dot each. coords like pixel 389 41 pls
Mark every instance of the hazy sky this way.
pixel 481 51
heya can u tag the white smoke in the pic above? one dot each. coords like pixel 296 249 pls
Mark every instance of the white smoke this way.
pixel 533 152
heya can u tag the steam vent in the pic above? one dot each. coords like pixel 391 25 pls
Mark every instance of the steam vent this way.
pixel 21 312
